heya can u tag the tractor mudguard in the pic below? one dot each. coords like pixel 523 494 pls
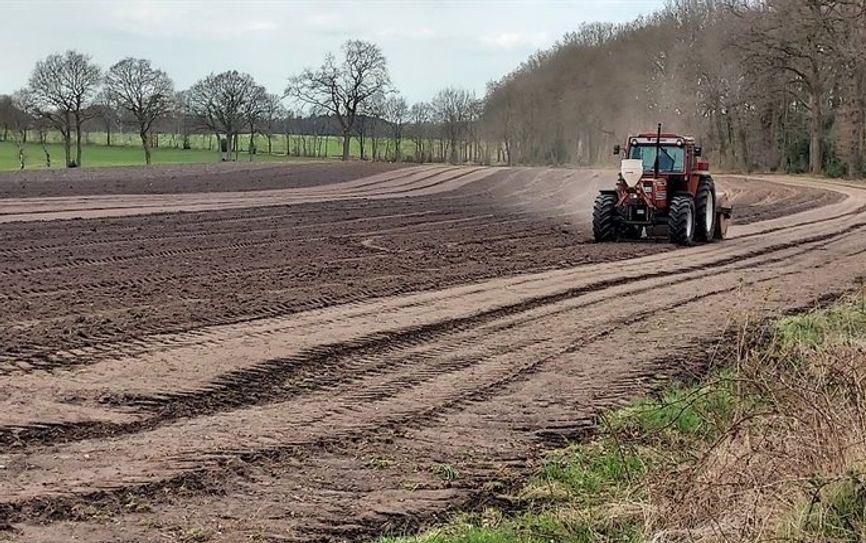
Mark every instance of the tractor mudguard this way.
pixel 723 203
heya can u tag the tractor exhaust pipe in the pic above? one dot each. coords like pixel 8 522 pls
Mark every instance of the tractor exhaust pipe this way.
pixel 658 152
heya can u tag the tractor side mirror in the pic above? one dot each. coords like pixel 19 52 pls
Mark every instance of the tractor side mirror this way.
pixel 699 151
pixel 616 149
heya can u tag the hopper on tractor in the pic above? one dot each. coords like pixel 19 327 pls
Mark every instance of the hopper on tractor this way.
pixel 663 181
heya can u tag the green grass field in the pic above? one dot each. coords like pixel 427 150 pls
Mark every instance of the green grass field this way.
pixel 101 155
pixel 125 150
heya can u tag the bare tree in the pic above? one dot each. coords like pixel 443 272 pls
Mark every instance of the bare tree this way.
pixel 221 103
pixel 143 91
pixel 396 114
pixel 273 113
pixel 367 123
pixel 61 89
pixel 17 122
pixel 500 114
pixel 255 111
pixel 453 109
pixel 182 114
pixel 794 37
pixel 343 88
pixel 105 111
pixel 420 118
pixel 7 113
pixel 763 84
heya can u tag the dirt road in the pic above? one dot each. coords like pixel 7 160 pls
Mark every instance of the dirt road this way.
pixel 298 363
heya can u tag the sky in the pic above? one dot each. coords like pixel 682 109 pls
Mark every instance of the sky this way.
pixel 429 44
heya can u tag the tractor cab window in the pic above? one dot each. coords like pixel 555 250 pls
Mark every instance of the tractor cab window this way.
pixel 670 158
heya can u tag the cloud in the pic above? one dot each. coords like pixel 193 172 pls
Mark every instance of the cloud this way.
pixel 398 34
pixel 172 20
pixel 322 20
pixel 515 40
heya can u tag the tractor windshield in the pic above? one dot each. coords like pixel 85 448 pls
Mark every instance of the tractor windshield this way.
pixel 670 158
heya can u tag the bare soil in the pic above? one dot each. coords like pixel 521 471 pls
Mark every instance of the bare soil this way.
pixel 219 177
pixel 290 363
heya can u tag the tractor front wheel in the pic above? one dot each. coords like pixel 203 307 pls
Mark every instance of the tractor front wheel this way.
pixel 681 220
pixel 604 218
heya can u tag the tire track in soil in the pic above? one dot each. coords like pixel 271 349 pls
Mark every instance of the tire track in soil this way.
pixel 193 250
pixel 97 348
pixel 325 365
pixel 41 360
pixel 64 507
pixel 218 468
pixel 675 305
pixel 209 479
pixel 23 210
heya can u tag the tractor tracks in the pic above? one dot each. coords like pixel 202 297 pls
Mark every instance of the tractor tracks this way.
pixel 495 367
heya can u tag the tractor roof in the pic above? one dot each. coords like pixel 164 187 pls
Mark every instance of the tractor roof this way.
pixel 666 138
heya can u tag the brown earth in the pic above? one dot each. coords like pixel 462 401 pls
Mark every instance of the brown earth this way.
pixel 219 177
pixel 293 363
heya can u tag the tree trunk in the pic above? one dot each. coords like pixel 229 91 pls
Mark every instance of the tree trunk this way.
pixel 77 141
pixel 347 138
pixel 146 144
pixel 815 129
pixel 857 162
pixel 67 140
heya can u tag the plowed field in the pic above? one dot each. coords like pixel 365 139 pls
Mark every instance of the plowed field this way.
pixel 243 354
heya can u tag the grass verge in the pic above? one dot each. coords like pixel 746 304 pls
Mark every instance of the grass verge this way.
pixel 771 447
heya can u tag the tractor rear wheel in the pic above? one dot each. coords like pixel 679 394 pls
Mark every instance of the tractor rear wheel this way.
pixel 681 220
pixel 604 218
pixel 705 210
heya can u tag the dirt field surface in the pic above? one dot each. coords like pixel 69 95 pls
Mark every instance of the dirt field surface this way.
pixel 299 362
pixel 220 177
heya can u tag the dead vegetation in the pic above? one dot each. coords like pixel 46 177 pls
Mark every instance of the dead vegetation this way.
pixel 784 448
pixel 770 448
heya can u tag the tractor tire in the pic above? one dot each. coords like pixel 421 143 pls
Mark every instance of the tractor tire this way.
pixel 681 220
pixel 705 210
pixel 604 227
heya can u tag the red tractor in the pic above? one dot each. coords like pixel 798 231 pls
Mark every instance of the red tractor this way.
pixel 663 181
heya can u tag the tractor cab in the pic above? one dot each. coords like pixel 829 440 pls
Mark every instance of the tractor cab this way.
pixel 659 166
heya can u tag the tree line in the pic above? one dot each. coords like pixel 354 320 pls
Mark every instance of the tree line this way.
pixel 349 95
pixel 774 85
